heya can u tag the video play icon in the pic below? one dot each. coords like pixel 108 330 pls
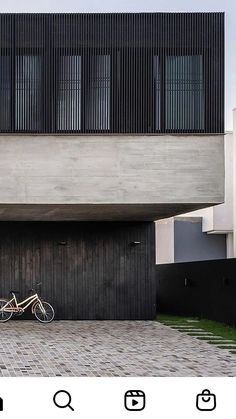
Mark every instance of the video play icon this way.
pixel 135 400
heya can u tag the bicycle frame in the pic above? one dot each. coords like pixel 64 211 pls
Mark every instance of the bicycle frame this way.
pixel 23 305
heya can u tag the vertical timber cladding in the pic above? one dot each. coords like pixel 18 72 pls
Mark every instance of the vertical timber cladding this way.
pixel 112 73
pixel 88 270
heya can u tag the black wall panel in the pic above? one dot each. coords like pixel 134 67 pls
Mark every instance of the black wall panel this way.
pixel 87 270
pixel 112 73
pixel 206 289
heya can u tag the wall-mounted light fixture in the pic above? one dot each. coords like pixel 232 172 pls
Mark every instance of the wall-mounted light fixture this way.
pixel 135 243
pixel 62 243
pixel 186 282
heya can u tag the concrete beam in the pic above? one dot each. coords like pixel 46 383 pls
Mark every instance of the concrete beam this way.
pixel 90 212
pixel 116 176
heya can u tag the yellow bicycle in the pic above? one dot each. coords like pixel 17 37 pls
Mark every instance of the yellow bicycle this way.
pixel 42 310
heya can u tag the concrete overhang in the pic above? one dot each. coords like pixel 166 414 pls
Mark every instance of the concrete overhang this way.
pixel 117 177
pixel 90 212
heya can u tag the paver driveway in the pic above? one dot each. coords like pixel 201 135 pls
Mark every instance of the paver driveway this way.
pixel 107 348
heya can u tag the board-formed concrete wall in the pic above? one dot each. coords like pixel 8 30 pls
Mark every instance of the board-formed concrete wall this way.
pixel 166 174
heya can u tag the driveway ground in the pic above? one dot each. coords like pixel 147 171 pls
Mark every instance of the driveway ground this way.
pixel 107 348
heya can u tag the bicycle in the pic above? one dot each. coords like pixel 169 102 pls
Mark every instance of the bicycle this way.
pixel 42 310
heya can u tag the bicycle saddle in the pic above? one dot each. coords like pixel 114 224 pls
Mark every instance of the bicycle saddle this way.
pixel 14 292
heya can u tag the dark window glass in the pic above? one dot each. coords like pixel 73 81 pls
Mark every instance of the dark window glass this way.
pixel 157 88
pixel 5 93
pixel 69 94
pixel 97 96
pixel 184 93
pixel 28 90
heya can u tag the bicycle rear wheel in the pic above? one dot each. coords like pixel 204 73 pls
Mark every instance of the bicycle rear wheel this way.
pixel 5 315
pixel 45 315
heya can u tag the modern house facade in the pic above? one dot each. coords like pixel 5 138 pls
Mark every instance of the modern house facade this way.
pixel 107 123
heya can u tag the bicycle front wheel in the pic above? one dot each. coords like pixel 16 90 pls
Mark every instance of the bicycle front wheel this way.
pixel 5 315
pixel 44 312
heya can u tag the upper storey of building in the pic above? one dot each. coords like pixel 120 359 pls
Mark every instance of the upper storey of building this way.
pixel 147 73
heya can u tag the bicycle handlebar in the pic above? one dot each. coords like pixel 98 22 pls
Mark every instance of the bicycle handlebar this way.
pixel 36 285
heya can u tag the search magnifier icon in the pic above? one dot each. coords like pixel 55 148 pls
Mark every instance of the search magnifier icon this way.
pixel 62 399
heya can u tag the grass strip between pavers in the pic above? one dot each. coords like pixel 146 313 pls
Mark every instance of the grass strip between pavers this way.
pixel 217 328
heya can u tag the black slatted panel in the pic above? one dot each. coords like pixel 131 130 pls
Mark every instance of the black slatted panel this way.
pixel 87 270
pixel 112 73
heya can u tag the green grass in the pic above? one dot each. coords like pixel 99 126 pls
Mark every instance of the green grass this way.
pixel 217 328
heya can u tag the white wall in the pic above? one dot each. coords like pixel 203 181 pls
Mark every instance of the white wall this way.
pixel 234 182
pixel 165 241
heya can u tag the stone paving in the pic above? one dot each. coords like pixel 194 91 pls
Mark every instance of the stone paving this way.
pixel 107 348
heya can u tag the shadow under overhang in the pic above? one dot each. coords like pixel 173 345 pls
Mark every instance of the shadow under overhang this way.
pixel 95 212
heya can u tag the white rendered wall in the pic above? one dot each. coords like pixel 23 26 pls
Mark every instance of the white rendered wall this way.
pixel 234 183
pixel 165 240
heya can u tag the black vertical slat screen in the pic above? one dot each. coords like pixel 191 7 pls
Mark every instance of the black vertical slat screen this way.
pixel 112 73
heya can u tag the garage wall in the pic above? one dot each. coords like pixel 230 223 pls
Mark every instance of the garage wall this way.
pixel 87 270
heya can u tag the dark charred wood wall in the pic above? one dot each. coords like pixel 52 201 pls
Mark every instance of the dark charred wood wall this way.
pixel 112 73
pixel 87 270
pixel 205 289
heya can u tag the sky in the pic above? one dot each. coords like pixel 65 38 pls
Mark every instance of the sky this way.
pixel 227 6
